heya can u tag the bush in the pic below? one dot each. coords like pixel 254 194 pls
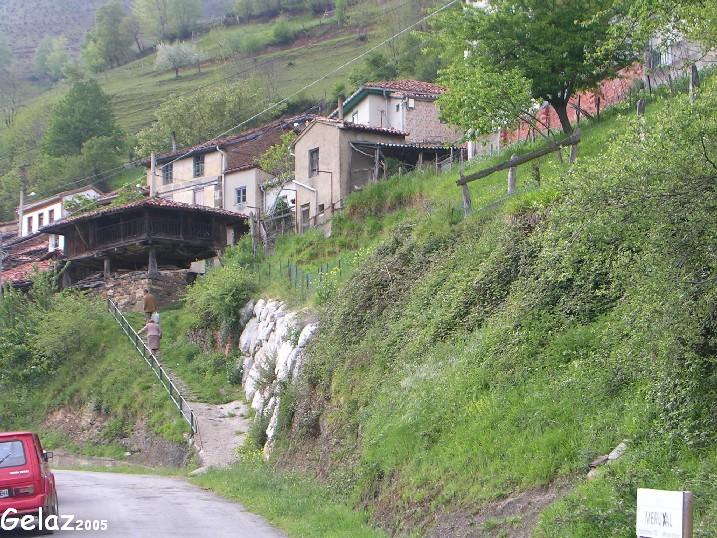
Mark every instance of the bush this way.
pixel 218 296
pixel 282 32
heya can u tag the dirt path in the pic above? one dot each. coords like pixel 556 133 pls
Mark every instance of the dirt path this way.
pixel 222 429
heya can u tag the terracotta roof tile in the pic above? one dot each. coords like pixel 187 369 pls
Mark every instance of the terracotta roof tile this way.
pixel 410 87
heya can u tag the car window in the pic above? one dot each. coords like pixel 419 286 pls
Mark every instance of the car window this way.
pixel 12 454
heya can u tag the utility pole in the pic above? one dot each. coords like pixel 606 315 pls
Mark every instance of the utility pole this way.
pixel 21 209
pixel 153 173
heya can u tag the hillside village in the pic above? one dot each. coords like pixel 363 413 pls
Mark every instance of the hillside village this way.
pixel 447 282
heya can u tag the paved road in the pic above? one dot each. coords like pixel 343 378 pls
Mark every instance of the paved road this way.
pixel 153 507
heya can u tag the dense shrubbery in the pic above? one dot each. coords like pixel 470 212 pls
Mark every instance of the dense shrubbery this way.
pixel 217 297
pixel 475 360
pixel 64 349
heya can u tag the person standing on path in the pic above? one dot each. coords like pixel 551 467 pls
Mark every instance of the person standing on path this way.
pixel 154 335
pixel 150 305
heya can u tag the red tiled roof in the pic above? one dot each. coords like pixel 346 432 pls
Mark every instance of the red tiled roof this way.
pixel 146 202
pixel 21 273
pixel 410 87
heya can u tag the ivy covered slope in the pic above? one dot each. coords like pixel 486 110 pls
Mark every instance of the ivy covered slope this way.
pixel 63 356
pixel 467 362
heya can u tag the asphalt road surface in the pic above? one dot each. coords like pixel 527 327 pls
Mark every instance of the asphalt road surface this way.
pixel 152 506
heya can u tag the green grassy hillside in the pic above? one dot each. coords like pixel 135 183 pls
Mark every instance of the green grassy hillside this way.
pixel 462 362
pixel 68 371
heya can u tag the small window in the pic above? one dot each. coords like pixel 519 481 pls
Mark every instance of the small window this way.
pixel 51 216
pixel 354 117
pixel 241 196
pixel 29 225
pixel 198 165
pixel 168 173
pixel 40 220
pixel 305 218
pixel 321 208
pixel 12 454
pixel 313 162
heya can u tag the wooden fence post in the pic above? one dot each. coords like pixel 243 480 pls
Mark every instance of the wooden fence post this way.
pixel 512 176
pixel 694 82
pixel 640 107
pixel 467 203
pixel 573 154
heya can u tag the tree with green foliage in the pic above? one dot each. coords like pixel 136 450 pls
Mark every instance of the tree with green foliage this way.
pixel 108 40
pixel 278 161
pixel 669 20
pixel 340 10
pixel 177 56
pixel 201 115
pixel 83 114
pixel 282 32
pixel 167 19
pixel 555 48
pixel 51 58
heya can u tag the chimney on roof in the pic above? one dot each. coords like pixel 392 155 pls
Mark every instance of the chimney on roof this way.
pixel 341 109
pixel 174 141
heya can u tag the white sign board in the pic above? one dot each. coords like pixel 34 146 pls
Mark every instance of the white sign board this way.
pixel 664 514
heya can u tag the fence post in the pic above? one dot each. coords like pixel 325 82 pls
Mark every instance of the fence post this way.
pixel 467 203
pixel 512 176
pixel 694 82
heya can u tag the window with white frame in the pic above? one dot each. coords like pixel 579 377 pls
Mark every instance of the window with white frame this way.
pixel 354 117
pixel 198 165
pixel 241 196
pixel 168 173
pixel 313 162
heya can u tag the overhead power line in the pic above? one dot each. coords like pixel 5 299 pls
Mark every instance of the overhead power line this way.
pixel 113 172
pixel 325 76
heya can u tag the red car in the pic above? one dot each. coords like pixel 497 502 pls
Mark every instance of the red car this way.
pixel 26 481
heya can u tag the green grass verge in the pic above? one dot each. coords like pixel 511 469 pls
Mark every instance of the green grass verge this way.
pixel 292 502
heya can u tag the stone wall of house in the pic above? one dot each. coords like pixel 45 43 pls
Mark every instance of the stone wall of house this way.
pixel 272 346
pixel 424 126
pixel 127 289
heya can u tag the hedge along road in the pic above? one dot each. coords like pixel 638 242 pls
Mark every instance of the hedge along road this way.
pixel 152 506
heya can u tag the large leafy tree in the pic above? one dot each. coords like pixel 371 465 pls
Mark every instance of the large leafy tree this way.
pixel 552 44
pixel 201 115
pixel 84 113
pixel 108 38
pixel 166 19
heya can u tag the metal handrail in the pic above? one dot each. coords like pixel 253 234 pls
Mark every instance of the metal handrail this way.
pixel 151 359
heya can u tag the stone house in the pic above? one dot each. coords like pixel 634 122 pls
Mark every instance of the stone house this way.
pixel 224 173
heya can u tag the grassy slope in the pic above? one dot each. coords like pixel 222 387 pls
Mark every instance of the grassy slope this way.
pixel 137 89
pixel 106 376
pixel 462 364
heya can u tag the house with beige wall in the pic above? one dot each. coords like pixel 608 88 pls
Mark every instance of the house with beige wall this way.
pixel 405 105
pixel 34 215
pixel 223 173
